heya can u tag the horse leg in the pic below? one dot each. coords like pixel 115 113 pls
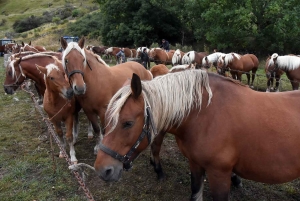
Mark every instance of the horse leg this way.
pixel 90 130
pixel 295 85
pixel 219 183
pixel 268 84
pixel 253 77
pixel 71 135
pixel 277 78
pixel 248 78
pixel 40 100
pixel 197 182
pixel 59 131
pixel 94 121
pixel 154 159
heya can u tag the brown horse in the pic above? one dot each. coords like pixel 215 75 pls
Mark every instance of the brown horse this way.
pixel 113 51
pixel 262 151
pixel 193 57
pixel 93 81
pixel 59 103
pixel 16 48
pixel 211 59
pixel 177 57
pixel 159 70
pixel 9 47
pixel 238 65
pixel 29 47
pixel 160 56
pixel 290 64
pixel 270 76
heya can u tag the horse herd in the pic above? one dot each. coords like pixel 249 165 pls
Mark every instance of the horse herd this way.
pixel 220 125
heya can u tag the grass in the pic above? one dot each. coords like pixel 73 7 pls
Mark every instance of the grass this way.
pixel 26 166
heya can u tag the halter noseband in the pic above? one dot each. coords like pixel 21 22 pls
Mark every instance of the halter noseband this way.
pixel 127 159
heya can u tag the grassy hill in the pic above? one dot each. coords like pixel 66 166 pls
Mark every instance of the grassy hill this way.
pixel 49 33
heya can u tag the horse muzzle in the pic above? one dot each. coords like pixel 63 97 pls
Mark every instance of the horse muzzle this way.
pixel 110 173
pixel 69 93
pixel 79 90
pixel 9 90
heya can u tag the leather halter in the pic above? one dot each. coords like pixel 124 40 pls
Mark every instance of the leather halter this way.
pixel 127 159
pixel 17 79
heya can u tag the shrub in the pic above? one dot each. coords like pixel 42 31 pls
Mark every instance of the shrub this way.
pixel 56 20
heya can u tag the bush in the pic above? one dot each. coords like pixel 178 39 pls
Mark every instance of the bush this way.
pixel 56 20
pixel 75 13
pixel 28 23
pixel 24 35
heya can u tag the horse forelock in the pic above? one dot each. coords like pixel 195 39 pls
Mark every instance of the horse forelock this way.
pixel 71 46
pixel 51 67
pixel 230 57
pixel 160 92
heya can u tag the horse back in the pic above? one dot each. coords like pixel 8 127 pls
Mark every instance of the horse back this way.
pixel 125 70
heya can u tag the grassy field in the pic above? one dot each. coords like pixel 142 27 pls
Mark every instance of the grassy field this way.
pixel 26 166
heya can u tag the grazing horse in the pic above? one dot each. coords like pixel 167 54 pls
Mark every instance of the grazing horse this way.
pixel 238 65
pixel 93 81
pixel 270 76
pixel 290 64
pixel 160 56
pixel 59 103
pixel 177 56
pixel 211 59
pixel 29 47
pixel 263 151
pixel 113 51
pixel 193 57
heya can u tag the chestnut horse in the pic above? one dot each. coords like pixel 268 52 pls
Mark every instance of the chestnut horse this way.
pixel 159 70
pixel 93 81
pixel 211 59
pixel 29 47
pixel 193 57
pixel 290 64
pixel 263 151
pixel 139 51
pixel 59 103
pixel 9 47
pixel 238 65
pixel 160 56
pixel 177 57
pixel 270 76
pixel 113 51
pixel 16 48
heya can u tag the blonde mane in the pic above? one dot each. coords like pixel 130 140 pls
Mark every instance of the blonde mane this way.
pixel 213 57
pixel 287 62
pixel 188 57
pixel 171 97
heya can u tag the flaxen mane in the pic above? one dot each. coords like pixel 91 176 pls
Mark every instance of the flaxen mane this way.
pixel 287 62
pixel 161 92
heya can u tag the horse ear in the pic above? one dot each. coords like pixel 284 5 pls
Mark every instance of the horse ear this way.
pixel 29 43
pixel 136 85
pixel 41 69
pixel 23 44
pixel 63 43
pixel 81 42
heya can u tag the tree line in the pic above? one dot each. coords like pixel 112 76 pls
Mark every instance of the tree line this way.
pixel 246 26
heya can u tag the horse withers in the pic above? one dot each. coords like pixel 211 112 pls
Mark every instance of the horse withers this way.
pixel 264 151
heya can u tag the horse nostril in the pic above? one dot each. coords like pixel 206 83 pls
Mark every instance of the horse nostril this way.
pixel 108 172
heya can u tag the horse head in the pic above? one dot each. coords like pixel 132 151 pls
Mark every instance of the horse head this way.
pixel 118 151
pixel 14 76
pixel 221 67
pixel 74 63
pixel 271 64
pixel 55 79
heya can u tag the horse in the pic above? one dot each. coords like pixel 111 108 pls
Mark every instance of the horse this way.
pixel 263 151
pixel 270 77
pixel 211 59
pixel 160 56
pixel 59 104
pixel 100 50
pixel 134 53
pixel 193 57
pixel 113 51
pixel 16 48
pixel 159 70
pixel 29 47
pixel 93 81
pixel 139 51
pixel 8 47
pixel 238 65
pixel 289 64
pixel 177 56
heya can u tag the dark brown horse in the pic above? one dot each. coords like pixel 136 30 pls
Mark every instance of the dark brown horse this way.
pixel 59 103
pixel 93 81
pixel 160 56
pixel 290 64
pixel 245 142
pixel 270 76
pixel 238 65
pixel 193 57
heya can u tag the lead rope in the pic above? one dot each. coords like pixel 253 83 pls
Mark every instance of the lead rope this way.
pixel 53 134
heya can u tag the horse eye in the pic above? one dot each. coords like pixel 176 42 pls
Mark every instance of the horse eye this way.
pixel 128 124
pixel 51 78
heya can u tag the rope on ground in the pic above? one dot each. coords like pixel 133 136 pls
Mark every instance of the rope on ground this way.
pixel 53 134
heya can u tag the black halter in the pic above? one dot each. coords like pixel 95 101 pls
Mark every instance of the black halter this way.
pixel 127 159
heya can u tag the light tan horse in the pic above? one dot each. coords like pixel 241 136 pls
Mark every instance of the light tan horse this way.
pixel 238 65
pixel 160 56
pixel 159 70
pixel 246 142
pixel 93 81
pixel 177 57
pixel 59 103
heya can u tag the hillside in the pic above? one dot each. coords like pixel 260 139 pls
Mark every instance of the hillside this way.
pixel 49 33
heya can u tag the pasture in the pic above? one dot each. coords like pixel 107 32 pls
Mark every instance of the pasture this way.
pixel 26 166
